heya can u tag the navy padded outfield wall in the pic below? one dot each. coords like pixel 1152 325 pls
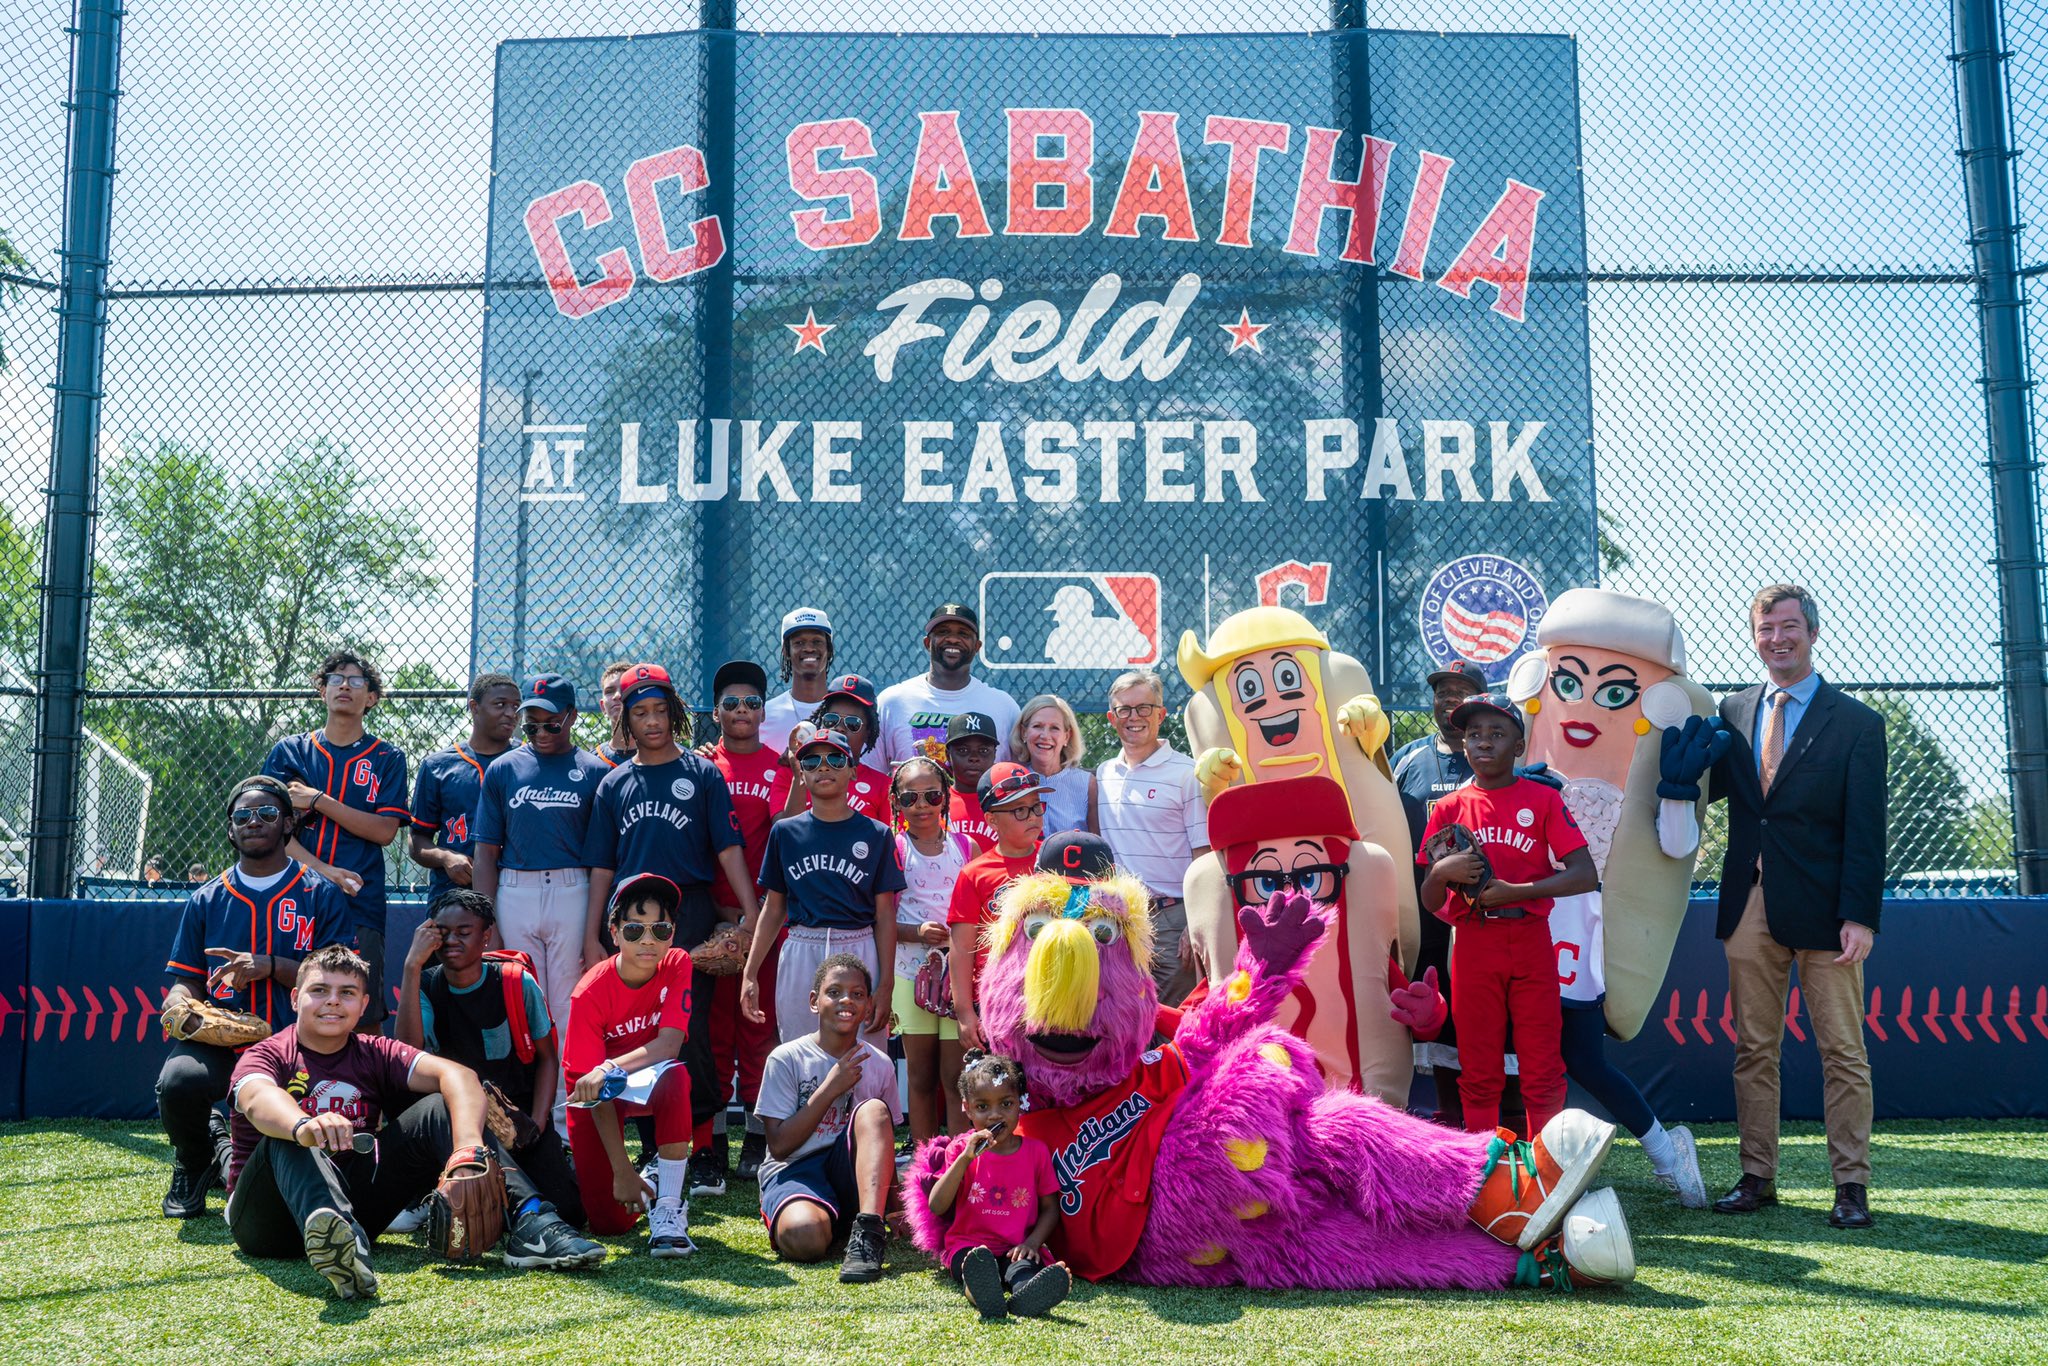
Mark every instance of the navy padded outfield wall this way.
pixel 1957 1001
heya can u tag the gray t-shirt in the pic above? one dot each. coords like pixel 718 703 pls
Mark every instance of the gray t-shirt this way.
pixel 793 1074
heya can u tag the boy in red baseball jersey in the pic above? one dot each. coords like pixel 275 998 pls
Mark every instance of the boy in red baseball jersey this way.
pixel 1014 798
pixel 1502 964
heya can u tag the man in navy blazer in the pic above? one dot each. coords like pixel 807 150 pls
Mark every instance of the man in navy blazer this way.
pixel 1802 883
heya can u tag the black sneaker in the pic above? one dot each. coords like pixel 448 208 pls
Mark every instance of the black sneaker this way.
pixel 707 1173
pixel 544 1240
pixel 753 1152
pixel 337 1250
pixel 223 1148
pixel 982 1278
pixel 186 1198
pixel 863 1251
pixel 1046 1288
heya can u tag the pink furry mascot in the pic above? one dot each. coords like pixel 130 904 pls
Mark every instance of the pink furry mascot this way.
pixel 1221 1159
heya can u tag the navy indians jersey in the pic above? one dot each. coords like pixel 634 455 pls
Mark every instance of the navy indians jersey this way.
pixel 368 775
pixel 444 799
pixel 294 915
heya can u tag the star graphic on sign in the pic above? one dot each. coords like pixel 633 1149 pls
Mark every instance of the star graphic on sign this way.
pixel 1244 332
pixel 810 332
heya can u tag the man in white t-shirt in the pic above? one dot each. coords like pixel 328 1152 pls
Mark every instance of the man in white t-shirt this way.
pixel 807 665
pixel 1150 809
pixel 912 715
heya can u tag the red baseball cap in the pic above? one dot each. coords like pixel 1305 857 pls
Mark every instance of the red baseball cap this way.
pixel 642 677
pixel 1005 783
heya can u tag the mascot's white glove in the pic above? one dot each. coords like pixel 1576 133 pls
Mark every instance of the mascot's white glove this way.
pixel 1678 828
pixel 1362 720
pixel 1216 769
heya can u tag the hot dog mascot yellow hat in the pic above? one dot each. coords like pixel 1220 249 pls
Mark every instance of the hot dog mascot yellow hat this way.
pixel 1273 701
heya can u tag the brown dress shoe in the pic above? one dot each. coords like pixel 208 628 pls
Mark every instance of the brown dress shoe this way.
pixel 1749 1195
pixel 1852 1207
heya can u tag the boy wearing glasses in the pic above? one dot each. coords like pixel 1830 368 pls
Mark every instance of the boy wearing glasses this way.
pixel 444 795
pixel 1013 796
pixel 350 790
pixel 238 943
pixel 759 783
pixel 849 708
pixel 833 875
pixel 632 1011
pixel 1150 808
pixel 531 819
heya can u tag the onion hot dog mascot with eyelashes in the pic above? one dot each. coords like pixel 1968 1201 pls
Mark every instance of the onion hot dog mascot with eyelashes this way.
pixel 1273 701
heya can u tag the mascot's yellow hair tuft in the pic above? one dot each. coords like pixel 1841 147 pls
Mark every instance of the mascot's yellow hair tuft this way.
pixel 1119 897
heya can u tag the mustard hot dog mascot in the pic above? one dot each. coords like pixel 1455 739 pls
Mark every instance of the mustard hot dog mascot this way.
pixel 1273 701
pixel 1611 711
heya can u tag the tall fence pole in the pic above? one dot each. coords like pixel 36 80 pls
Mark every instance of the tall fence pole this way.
pixel 721 578
pixel 74 444
pixel 1983 105
pixel 1361 313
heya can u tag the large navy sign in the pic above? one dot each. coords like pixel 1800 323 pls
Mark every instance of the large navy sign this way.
pixel 1112 336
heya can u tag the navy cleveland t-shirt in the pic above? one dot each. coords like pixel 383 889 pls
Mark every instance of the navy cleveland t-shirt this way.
pixel 672 819
pixel 536 808
pixel 831 871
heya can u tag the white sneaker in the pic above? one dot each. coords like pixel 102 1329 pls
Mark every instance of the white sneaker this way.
pixel 1683 1180
pixel 1596 1243
pixel 410 1221
pixel 668 1229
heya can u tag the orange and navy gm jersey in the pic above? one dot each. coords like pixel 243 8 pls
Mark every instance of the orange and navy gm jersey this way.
pixel 444 800
pixel 368 775
pixel 294 915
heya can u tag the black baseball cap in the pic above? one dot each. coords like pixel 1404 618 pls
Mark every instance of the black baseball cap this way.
pixel 1472 706
pixel 953 611
pixel 970 724
pixel 1463 668
pixel 740 671
pixel 1076 856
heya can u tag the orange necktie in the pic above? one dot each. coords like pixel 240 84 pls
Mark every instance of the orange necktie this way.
pixel 1774 739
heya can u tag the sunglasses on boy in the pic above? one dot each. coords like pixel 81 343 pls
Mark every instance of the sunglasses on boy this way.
pixel 1316 881
pixel 248 815
pixel 831 758
pixel 751 702
pixel 833 720
pixel 633 931
pixel 533 728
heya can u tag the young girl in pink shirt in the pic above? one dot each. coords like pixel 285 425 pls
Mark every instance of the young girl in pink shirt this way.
pixel 1002 1195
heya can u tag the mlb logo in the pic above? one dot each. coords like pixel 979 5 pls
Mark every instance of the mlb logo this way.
pixel 1483 609
pixel 1050 620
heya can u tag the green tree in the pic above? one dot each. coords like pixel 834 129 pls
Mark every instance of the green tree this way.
pixel 20 605
pixel 12 262
pixel 210 580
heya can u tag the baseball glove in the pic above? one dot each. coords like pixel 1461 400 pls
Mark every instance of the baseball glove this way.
pixel 511 1126
pixel 466 1213
pixel 723 954
pixel 1457 839
pixel 187 1019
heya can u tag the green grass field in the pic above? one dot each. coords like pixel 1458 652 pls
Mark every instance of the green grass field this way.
pixel 1956 1270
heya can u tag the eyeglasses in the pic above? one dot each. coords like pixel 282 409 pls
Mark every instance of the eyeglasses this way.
pixel 810 763
pixel 1139 711
pixel 1021 812
pixel 245 815
pixel 833 720
pixel 1316 881
pixel 533 728
pixel 751 702
pixel 352 681
pixel 907 800
pixel 633 931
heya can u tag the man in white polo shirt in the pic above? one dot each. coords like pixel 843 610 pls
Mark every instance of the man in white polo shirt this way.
pixel 1150 808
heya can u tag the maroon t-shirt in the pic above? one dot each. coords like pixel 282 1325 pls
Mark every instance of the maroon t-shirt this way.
pixel 367 1079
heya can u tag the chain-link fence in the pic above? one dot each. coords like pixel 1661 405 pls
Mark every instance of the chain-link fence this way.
pixel 1779 347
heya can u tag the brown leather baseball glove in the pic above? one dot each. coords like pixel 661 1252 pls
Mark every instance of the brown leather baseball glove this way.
pixel 187 1019
pixel 1457 839
pixel 723 954
pixel 511 1126
pixel 466 1213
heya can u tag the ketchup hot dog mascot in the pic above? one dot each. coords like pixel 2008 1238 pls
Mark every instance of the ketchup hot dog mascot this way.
pixel 1354 1007
pixel 1271 701
pixel 1611 710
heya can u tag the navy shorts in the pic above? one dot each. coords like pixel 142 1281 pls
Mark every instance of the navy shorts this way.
pixel 824 1177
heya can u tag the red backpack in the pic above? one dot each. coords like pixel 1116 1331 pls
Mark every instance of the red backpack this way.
pixel 514 968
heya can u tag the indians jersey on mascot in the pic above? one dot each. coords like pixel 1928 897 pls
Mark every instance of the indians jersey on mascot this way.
pixel 1608 704
pixel 1272 700
pixel 1222 1158
pixel 1297 833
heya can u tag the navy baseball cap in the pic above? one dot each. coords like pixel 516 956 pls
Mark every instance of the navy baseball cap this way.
pixel 806 619
pixel 969 724
pixel 1006 783
pixel 830 739
pixel 954 611
pixel 645 678
pixel 550 693
pixel 740 671
pixel 1472 706
pixel 1077 856
pixel 1463 668
pixel 854 686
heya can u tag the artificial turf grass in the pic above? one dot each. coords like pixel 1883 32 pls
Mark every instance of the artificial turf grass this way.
pixel 1957 1269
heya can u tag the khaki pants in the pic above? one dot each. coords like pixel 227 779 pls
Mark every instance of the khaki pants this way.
pixel 1759 976
pixel 1169 927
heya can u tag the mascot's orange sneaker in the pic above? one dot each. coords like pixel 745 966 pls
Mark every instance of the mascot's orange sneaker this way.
pixel 1529 1186
pixel 1593 1249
